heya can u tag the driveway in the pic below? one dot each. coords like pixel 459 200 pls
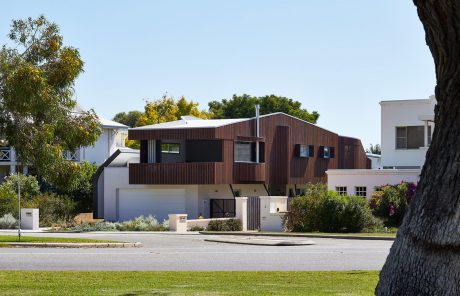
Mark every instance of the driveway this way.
pixel 170 251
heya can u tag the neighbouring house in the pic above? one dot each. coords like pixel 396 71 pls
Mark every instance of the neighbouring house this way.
pixel 113 137
pixel 197 167
pixel 406 129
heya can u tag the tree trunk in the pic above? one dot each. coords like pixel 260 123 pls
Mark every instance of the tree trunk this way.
pixel 425 258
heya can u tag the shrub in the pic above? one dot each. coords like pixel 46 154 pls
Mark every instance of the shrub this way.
pixel 9 192
pixel 390 202
pixel 327 211
pixel 53 208
pixel 141 223
pixel 196 228
pixel 8 222
pixel 225 225
pixel 100 226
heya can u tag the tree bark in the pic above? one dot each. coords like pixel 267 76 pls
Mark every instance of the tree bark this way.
pixel 425 258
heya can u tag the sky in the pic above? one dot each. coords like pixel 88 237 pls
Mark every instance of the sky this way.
pixel 337 57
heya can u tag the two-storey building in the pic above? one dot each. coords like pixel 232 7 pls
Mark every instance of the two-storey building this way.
pixel 198 166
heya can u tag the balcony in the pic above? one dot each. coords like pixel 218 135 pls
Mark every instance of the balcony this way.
pixel 180 173
pixel 249 172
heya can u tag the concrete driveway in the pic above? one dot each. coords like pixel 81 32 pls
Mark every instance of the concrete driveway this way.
pixel 170 251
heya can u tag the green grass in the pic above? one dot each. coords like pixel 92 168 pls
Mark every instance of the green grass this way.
pixel 5 239
pixel 187 283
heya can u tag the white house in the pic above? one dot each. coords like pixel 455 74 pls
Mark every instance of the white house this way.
pixel 113 137
pixel 406 129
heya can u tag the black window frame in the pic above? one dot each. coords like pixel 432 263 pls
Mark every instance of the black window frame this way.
pixel 169 151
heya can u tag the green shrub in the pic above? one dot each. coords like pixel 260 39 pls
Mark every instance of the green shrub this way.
pixel 327 211
pixel 225 225
pixel 100 226
pixel 390 202
pixel 8 222
pixel 53 208
pixel 9 192
pixel 197 228
pixel 141 223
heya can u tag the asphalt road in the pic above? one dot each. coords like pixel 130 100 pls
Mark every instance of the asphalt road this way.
pixel 168 251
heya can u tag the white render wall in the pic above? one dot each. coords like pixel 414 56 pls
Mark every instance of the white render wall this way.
pixel 107 143
pixel 369 178
pixel 403 113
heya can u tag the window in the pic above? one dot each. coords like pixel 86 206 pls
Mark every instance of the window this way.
pixel 327 152
pixel 305 150
pixel 245 151
pixel 429 135
pixel 341 190
pixel 361 191
pixel 409 137
pixel 173 148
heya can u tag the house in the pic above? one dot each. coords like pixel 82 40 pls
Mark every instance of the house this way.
pixel 113 137
pixel 197 167
pixel 406 129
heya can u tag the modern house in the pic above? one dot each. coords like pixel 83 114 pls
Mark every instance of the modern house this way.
pixel 197 167
pixel 113 137
pixel 406 129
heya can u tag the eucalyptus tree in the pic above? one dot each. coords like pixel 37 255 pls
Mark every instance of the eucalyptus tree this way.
pixel 425 258
pixel 37 117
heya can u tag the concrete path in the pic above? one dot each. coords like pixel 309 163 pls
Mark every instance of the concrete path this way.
pixel 169 251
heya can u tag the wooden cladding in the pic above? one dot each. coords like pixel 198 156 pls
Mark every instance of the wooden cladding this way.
pixel 178 173
pixel 248 172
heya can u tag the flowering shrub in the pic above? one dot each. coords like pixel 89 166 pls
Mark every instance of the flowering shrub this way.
pixel 390 202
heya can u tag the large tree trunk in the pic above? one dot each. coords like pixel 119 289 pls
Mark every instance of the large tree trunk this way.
pixel 425 258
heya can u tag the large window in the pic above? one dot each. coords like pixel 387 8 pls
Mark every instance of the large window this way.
pixel 245 151
pixel 410 137
pixel 172 148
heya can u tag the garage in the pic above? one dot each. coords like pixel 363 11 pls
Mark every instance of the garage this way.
pixel 132 203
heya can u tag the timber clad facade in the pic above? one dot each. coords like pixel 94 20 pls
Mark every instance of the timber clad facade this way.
pixel 227 154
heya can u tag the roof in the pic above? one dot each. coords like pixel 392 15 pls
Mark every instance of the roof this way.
pixel 192 122
pixel 426 101
pixel 107 123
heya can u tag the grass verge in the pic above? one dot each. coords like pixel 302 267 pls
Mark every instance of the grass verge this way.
pixel 187 283
pixel 5 239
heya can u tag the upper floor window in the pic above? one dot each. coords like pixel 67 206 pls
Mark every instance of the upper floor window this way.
pixel 410 137
pixel 305 150
pixel 173 148
pixel 327 152
pixel 245 151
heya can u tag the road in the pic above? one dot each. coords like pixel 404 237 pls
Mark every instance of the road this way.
pixel 168 251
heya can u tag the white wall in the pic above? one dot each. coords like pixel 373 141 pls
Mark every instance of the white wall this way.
pixel 109 141
pixel 368 178
pixel 403 113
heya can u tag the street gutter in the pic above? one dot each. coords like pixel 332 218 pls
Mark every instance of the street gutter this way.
pixel 290 234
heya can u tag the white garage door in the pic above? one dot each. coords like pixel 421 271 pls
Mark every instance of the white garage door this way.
pixel 157 202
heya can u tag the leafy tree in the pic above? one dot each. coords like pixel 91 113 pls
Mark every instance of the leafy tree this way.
pixel 9 191
pixel 37 118
pixel 244 106
pixel 425 257
pixel 128 118
pixel 168 109
pixel 374 149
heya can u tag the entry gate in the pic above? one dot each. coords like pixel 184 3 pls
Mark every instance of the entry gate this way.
pixel 222 208
pixel 253 213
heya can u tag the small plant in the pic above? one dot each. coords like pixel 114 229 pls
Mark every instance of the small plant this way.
pixel 141 223
pixel 225 225
pixel 8 222
pixel 197 228
pixel 101 226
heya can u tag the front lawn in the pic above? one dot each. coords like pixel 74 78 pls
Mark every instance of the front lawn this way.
pixel 187 283
pixel 4 239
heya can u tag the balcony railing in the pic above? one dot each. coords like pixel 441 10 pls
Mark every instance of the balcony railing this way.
pixel 180 173
pixel 249 172
pixel 5 154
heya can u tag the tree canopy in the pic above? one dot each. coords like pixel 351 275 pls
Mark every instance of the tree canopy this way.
pixel 37 117
pixel 374 149
pixel 128 118
pixel 243 107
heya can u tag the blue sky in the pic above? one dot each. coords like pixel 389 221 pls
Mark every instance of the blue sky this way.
pixel 337 57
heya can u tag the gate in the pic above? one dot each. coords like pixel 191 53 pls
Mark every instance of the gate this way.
pixel 222 208
pixel 253 213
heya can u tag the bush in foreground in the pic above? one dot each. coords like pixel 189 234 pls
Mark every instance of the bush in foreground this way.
pixel 8 222
pixel 225 225
pixel 140 223
pixel 326 211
